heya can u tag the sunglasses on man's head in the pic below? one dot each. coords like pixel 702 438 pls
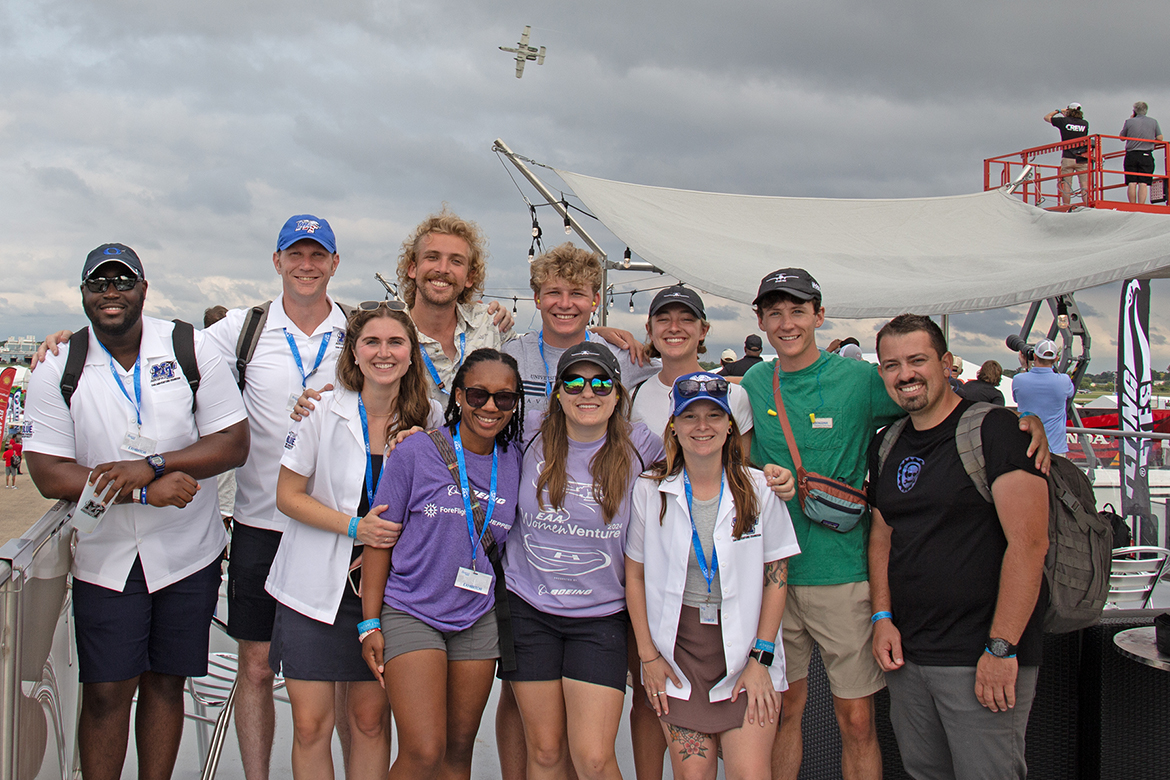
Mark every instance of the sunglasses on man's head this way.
pixel 689 388
pixel 506 400
pixel 574 385
pixel 375 305
pixel 99 284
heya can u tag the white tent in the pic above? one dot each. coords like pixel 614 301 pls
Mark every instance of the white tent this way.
pixel 879 258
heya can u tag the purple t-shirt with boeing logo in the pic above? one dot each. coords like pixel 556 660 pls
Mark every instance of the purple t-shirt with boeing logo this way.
pixel 569 561
pixel 422 495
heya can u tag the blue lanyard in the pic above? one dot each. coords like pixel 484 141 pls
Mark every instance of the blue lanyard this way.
pixel 292 343
pixel 467 493
pixel 708 574
pixel 548 384
pixel 136 401
pixel 369 458
pixel 431 366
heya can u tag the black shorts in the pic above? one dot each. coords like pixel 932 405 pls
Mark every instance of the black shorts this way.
pixel 307 649
pixel 122 635
pixel 549 647
pixel 251 609
pixel 1138 162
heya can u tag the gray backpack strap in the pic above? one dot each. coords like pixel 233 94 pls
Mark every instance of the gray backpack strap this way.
pixel 250 336
pixel 969 441
pixel 889 439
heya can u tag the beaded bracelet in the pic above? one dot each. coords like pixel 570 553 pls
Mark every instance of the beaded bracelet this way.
pixel 353 524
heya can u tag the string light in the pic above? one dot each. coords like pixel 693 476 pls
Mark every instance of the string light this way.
pixel 514 301
pixel 626 258
pixel 568 222
pixel 632 293
pixel 1061 314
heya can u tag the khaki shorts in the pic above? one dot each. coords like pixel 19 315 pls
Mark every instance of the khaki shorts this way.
pixel 836 617
pixel 404 633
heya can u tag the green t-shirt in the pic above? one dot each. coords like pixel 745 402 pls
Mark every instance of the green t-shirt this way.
pixel 835 406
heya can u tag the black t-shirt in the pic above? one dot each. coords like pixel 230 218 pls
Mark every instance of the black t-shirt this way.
pixel 1071 128
pixel 978 390
pixel 947 546
pixel 740 367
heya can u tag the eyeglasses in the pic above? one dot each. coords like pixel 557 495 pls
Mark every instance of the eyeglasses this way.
pixel 100 284
pixel 375 305
pixel 574 385
pixel 506 400
pixel 689 388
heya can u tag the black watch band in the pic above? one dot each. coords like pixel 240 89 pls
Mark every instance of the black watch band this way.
pixel 764 657
pixel 1000 648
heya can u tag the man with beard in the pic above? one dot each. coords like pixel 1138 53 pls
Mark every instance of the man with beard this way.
pixel 146 579
pixel 956 580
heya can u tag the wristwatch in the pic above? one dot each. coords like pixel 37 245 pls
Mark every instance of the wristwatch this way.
pixel 1000 648
pixel 158 463
pixel 764 657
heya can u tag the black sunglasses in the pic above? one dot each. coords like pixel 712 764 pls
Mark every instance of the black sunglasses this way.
pixel 575 385
pixel 506 400
pixel 375 305
pixel 689 388
pixel 100 284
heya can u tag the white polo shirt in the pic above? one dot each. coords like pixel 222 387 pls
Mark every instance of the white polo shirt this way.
pixel 475 326
pixel 172 543
pixel 664 549
pixel 311 564
pixel 272 379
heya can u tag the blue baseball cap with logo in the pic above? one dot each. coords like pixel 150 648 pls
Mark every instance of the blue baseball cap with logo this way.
pixel 701 386
pixel 306 226
pixel 112 253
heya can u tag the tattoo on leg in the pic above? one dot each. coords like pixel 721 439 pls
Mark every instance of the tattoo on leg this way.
pixel 776 573
pixel 690 743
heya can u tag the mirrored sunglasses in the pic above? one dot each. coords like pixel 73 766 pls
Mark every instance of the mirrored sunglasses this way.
pixel 574 385
pixel 506 400
pixel 689 388
pixel 99 284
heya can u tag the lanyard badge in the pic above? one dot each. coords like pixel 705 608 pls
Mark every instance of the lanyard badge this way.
pixel 296 353
pixel 708 613
pixel 434 372
pixel 468 578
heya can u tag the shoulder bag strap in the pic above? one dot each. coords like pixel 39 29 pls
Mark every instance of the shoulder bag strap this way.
pixel 785 424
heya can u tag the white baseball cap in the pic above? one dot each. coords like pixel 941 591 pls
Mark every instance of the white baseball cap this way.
pixel 1047 350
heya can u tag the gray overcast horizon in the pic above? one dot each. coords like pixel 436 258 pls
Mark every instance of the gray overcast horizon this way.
pixel 191 132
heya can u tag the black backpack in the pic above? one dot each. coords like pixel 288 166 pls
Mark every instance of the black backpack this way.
pixel 250 336
pixel 182 340
pixel 1080 541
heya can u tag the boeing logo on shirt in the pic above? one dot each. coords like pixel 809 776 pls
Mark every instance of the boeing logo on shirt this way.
pixel 161 373
pixel 452 490
pixel 908 471
pixel 543 591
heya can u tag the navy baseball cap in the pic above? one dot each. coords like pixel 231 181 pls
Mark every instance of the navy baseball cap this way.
pixel 797 282
pixel 306 226
pixel 701 386
pixel 590 352
pixel 753 342
pixel 678 294
pixel 112 253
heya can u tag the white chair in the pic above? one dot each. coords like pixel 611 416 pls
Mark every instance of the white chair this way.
pixel 1135 572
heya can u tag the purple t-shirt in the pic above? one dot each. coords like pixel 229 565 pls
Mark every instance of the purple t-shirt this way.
pixel 423 495
pixel 569 561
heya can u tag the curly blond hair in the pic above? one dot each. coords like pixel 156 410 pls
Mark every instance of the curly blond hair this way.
pixel 449 224
pixel 578 267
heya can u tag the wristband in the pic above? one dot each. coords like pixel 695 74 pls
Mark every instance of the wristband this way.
pixel 353 524
pixel 1027 414
pixel 768 646
pixel 652 660
pixel 373 624
pixel 142 496
pixel 362 636
pixel 881 616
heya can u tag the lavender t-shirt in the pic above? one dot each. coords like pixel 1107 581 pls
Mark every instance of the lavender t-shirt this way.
pixel 423 496
pixel 569 561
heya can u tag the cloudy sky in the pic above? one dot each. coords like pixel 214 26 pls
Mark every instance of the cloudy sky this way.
pixel 192 131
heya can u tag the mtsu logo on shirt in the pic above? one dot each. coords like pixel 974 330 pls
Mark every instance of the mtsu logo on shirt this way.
pixel 908 471
pixel 290 441
pixel 161 373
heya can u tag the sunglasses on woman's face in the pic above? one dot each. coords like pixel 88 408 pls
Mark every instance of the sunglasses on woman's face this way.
pixel 689 388
pixel 375 305
pixel 575 385
pixel 506 400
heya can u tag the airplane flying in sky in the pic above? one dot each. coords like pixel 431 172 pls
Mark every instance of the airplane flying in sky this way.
pixel 525 52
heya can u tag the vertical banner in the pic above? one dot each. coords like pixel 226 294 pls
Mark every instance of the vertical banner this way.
pixel 1134 387
pixel 7 376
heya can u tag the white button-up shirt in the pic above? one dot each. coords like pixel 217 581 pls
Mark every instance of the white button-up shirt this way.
pixel 664 550
pixel 173 543
pixel 311 564
pixel 272 379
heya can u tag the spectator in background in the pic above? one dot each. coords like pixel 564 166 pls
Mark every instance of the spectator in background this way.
pixel 752 346
pixel 725 360
pixel 1044 392
pixel 1139 154
pixel 1072 124
pixel 9 466
pixel 954 372
pixel 984 386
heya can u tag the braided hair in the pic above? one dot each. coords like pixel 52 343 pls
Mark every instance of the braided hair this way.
pixel 513 430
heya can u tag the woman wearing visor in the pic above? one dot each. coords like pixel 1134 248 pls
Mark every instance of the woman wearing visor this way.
pixel 328 475
pixel 706 570
pixel 566 573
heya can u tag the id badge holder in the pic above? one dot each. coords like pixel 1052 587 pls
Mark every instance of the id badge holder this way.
pixel 92 508
pixel 708 615
pixel 292 402
pixel 137 444
pixel 474 581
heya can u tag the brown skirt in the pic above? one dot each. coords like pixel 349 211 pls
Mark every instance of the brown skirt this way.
pixel 698 652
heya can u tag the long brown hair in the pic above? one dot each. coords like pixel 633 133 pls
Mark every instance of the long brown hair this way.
pixel 413 405
pixel 743 493
pixel 610 467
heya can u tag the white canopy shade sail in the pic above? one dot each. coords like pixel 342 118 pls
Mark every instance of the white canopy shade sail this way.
pixel 879 258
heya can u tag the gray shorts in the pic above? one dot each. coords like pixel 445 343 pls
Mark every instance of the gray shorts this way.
pixel 404 633
pixel 10 471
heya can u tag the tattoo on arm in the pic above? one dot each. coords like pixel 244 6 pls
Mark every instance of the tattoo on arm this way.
pixel 690 743
pixel 776 573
